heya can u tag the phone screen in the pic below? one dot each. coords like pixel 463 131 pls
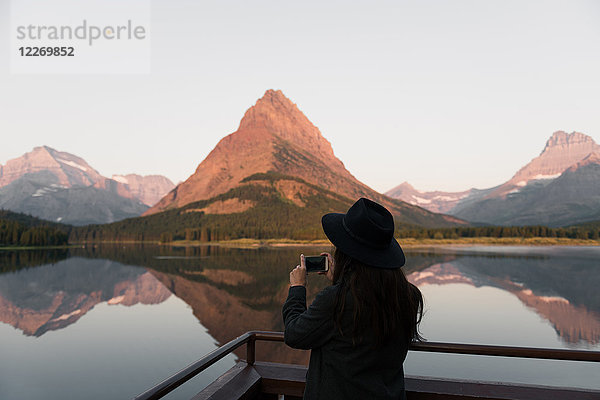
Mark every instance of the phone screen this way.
pixel 316 263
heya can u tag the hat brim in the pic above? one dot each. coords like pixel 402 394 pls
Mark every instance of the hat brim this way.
pixel 389 257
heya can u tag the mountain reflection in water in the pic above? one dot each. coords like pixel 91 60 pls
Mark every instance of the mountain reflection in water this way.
pixel 51 297
pixel 232 291
pixel 573 323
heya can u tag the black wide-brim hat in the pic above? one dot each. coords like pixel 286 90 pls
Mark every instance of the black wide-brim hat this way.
pixel 366 233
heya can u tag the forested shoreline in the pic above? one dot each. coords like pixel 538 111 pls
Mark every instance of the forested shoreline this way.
pixel 19 230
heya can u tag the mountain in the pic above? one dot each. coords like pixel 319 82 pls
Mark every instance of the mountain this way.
pixel 274 137
pixel 68 169
pixel 441 202
pixel 572 198
pixel 562 151
pixel 40 194
pixel 557 188
pixel 148 189
pixel 60 186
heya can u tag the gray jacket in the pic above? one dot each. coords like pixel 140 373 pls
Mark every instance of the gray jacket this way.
pixel 338 369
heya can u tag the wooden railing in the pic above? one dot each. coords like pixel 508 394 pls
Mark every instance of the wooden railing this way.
pixel 249 339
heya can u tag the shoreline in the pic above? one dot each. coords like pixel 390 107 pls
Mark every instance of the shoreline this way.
pixel 280 243
pixel 68 246
pixel 404 242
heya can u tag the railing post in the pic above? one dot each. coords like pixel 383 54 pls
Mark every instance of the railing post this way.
pixel 251 350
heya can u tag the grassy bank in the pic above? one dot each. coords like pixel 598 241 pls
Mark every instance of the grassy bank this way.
pixel 246 243
pixel 491 241
pixel 405 242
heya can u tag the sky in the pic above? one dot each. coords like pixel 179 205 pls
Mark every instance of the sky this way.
pixel 446 95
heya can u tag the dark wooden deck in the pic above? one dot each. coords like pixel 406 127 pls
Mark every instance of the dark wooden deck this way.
pixel 250 379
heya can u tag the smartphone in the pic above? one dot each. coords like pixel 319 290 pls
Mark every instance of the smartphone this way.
pixel 316 263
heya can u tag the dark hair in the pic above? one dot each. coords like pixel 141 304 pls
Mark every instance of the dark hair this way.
pixel 384 301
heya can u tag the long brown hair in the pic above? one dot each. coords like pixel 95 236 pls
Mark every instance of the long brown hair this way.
pixel 384 301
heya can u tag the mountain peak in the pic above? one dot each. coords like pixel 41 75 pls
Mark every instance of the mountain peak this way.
pixel 39 155
pixel 562 151
pixel 563 139
pixel 403 187
pixel 278 115
pixel 275 95
pixel 70 170
pixel 43 148
pixel 272 106
pixel 273 135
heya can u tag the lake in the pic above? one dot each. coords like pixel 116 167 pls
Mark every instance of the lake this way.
pixel 111 321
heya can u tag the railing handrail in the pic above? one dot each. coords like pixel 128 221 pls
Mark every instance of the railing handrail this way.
pixel 251 337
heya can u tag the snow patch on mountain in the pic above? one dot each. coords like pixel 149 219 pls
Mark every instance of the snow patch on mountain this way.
pixel 541 176
pixel 45 190
pixel 120 178
pixel 420 200
pixel 71 163
pixel 66 316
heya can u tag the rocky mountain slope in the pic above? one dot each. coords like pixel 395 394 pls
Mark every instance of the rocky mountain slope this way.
pixel 41 195
pixel 60 186
pixel 571 198
pixel 68 169
pixel 442 202
pixel 275 137
pixel 556 188
pixel 561 151
pixel 149 189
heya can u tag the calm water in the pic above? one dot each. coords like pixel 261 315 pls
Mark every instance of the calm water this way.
pixel 110 322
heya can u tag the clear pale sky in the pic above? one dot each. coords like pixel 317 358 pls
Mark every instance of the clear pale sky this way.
pixel 446 95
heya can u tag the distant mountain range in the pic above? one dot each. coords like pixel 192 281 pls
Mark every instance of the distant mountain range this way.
pixel 560 187
pixel 272 178
pixel 59 186
pixel 278 166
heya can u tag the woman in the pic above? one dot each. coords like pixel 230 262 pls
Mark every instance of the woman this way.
pixel 360 327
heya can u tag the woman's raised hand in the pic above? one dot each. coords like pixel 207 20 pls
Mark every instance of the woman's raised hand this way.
pixel 298 274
